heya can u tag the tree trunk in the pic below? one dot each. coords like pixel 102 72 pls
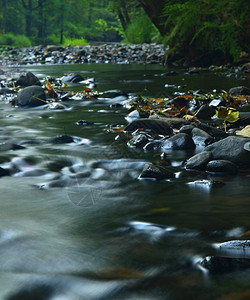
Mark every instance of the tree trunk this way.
pixel 154 8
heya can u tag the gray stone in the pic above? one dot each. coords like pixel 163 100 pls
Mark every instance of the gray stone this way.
pixel 156 172
pixel 201 137
pixel 27 80
pixel 222 166
pixel 239 90
pixel 199 161
pixel 157 126
pixel 232 149
pixel 31 96
pixel 138 141
pixel 180 141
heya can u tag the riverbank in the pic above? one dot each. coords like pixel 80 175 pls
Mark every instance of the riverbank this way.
pixel 103 53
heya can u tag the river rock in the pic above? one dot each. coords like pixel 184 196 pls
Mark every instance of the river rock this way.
pixel 221 166
pixel 152 171
pixel 6 146
pixel 201 137
pixel 71 78
pixel 199 161
pixel 187 129
pixel 63 139
pixel 4 172
pixel 219 264
pixel 205 112
pixel 31 96
pixel 239 90
pixel 158 126
pixel 180 141
pixel 244 119
pixel 27 80
pixel 213 131
pixel 232 149
pixel 113 94
pixel 138 141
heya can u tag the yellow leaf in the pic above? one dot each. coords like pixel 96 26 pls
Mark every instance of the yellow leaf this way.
pixel 227 114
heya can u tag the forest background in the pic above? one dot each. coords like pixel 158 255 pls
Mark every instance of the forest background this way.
pixel 190 29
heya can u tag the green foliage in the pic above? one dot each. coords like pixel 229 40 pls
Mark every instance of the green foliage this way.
pixel 74 42
pixel 15 40
pixel 200 27
pixel 141 30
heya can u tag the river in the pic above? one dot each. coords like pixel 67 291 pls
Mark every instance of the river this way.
pixel 99 232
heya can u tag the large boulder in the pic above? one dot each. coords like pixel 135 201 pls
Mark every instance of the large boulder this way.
pixel 232 149
pixel 27 80
pixel 31 96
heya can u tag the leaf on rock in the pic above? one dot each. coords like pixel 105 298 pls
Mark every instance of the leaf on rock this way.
pixel 227 114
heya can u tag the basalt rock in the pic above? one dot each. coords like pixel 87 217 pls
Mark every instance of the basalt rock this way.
pixel 199 161
pixel 201 137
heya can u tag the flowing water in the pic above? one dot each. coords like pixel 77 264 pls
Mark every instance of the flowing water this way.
pixel 76 223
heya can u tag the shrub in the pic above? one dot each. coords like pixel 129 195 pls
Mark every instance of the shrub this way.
pixel 10 39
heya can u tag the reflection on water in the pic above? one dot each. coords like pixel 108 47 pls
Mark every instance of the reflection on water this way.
pixel 75 221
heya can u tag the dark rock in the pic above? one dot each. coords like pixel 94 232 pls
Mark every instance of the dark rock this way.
pixel 239 248
pixel 156 172
pixel 232 149
pixel 180 141
pixel 239 90
pixel 199 161
pixel 244 119
pixel 205 112
pixel 213 131
pixel 27 80
pixel 83 123
pixel 158 126
pixel 63 139
pixel 180 102
pixel 53 48
pixel 193 71
pixel 35 291
pixel 6 146
pixel 222 166
pixel 4 91
pixel 219 265
pixel 4 172
pixel 155 145
pixel 201 137
pixel 113 94
pixel 71 78
pixel 31 96
pixel 187 129
pixel 138 141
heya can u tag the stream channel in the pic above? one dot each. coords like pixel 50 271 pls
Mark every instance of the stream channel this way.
pixel 101 233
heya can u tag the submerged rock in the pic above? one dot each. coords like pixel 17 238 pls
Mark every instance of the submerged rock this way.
pixel 218 264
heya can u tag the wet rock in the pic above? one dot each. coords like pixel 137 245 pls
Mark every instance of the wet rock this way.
pixel 31 96
pixel 4 172
pixel 4 91
pixel 205 112
pixel 63 139
pixel 232 149
pixel 157 172
pixel 213 131
pixel 187 129
pixel 201 137
pixel 219 265
pixel 180 102
pixel 244 119
pixel 158 126
pixel 113 94
pixel 6 146
pixel 239 90
pixel 222 166
pixel 27 80
pixel 199 161
pixel 71 78
pixel 239 248
pixel 180 141
pixel 35 291
pixel 138 141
